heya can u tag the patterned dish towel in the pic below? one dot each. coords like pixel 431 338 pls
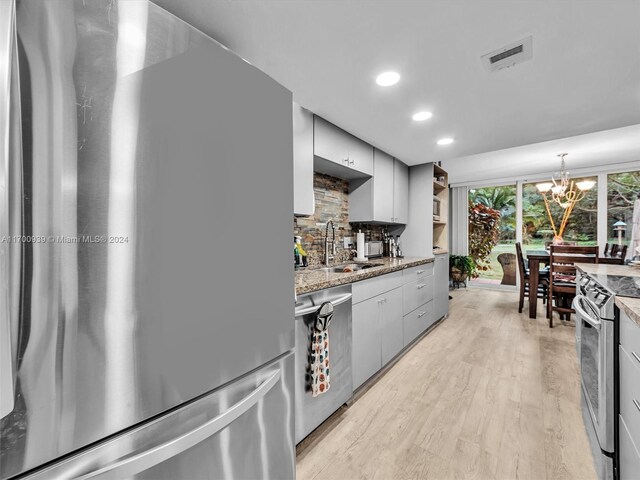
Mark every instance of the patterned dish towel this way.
pixel 319 355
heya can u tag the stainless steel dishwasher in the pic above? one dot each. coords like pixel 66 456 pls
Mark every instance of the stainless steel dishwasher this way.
pixel 312 411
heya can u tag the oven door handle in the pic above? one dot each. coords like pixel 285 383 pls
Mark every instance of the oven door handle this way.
pixel 583 314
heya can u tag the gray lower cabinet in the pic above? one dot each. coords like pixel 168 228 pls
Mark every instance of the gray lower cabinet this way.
pixel 629 456
pixel 416 322
pixel 629 419
pixel 367 342
pixel 391 330
pixel 377 334
pixel 441 286
pixel 389 312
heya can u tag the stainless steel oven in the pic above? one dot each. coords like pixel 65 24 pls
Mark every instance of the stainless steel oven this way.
pixel 595 343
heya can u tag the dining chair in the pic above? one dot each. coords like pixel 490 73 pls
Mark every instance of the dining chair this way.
pixel 607 248
pixel 547 244
pixel 562 277
pixel 614 250
pixel 525 287
pixel 622 252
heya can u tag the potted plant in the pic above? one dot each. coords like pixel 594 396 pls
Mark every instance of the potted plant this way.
pixel 461 267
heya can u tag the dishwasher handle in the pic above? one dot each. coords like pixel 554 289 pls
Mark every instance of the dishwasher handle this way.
pixel 307 310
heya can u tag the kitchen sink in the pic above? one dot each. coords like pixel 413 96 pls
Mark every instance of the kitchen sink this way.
pixel 351 267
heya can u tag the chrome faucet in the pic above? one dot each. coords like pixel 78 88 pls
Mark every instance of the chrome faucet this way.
pixel 328 257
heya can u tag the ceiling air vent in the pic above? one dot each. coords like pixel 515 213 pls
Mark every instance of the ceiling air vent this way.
pixel 509 55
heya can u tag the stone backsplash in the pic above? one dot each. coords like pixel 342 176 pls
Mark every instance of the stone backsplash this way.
pixel 332 203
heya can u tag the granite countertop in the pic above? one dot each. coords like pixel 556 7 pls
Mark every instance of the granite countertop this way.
pixel 624 280
pixel 630 306
pixel 604 269
pixel 312 279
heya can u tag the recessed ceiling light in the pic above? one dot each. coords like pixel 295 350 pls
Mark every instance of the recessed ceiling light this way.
pixel 386 79
pixel 445 141
pixel 422 116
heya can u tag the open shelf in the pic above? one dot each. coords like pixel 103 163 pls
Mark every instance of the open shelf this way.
pixel 441 195
pixel 428 224
pixel 438 187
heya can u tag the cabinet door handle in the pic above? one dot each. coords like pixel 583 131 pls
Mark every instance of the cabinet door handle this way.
pixel 422 314
pixel 636 356
pixel 419 272
pixel 635 402
pixel 422 285
pixel 345 161
pixel 352 162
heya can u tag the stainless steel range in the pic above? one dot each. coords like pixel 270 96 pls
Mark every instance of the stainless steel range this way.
pixel 596 345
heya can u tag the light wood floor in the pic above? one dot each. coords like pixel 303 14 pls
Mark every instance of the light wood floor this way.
pixel 488 394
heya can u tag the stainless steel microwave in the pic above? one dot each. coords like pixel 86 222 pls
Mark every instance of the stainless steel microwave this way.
pixel 373 249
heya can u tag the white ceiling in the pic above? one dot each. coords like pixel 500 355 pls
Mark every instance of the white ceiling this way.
pixel 587 153
pixel 584 76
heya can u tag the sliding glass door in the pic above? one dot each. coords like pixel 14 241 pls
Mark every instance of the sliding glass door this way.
pixel 623 189
pixel 492 234
pixel 496 223
pixel 540 224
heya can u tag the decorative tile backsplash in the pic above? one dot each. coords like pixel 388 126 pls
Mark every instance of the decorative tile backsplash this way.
pixel 332 203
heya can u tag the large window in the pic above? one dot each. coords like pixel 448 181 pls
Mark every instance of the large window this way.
pixel 537 229
pixel 622 191
pixel 497 248
pixel 493 224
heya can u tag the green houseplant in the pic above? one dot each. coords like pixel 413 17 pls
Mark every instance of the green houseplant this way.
pixel 461 267
pixel 484 234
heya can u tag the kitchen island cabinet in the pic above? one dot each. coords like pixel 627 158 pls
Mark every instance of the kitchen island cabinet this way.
pixel 629 419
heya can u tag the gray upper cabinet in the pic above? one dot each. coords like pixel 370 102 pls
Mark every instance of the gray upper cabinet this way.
pixel 340 154
pixel 382 201
pixel 383 198
pixel 400 192
pixel 303 198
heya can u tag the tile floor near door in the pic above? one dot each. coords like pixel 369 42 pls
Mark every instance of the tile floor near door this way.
pixel 488 394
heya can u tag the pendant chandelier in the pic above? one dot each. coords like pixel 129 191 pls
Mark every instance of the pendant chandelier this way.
pixel 565 192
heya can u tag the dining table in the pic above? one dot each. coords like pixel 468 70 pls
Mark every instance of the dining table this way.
pixel 538 257
pixel 535 258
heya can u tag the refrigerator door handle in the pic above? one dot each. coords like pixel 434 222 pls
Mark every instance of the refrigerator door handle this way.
pixel 149 458
pixel 6 364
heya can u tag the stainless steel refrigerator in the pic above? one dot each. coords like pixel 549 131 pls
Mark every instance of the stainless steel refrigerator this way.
pixel 146 289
